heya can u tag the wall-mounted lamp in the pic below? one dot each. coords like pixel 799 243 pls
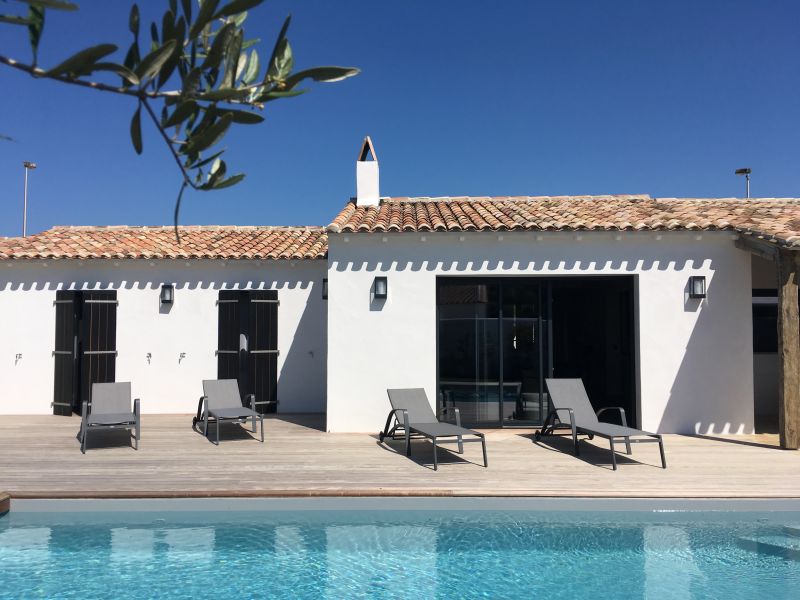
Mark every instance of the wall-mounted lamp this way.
pixel 167 293
pixel 697 286
pixel 381 288
pixel 325 289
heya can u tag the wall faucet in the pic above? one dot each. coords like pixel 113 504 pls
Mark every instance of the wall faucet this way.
pixel 181 356
pixel 17 357
pixel 149 356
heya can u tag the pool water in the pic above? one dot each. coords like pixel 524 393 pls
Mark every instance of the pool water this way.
pixel 400 554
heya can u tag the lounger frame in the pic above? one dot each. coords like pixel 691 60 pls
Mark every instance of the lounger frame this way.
pixel 556 421
pixel 133 425
pixel 404 429
pixel 206 414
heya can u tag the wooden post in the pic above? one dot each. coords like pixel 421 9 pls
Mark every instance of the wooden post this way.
pixel 788 351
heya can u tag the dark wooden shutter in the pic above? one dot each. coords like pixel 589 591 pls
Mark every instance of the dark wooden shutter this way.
pixel 262 332
pixel 97 341
pixel 65 354
pixel 228 335
pixel 247 343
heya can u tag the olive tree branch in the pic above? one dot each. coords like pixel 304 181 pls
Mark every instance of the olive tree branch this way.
pixel 140 93
pixel 168 141
pixel 96 85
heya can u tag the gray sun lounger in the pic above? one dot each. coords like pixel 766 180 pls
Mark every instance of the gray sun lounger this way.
pixel 572 409
pixel 110 408
pixel 221 402
pixel 413 417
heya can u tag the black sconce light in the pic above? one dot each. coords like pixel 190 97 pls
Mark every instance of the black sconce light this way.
pixel 325 289
pixel 381 288
pixel 697 286
pixel 167 293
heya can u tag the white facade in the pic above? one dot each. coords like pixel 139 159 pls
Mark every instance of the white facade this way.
pixel 167 382
pixel 694 359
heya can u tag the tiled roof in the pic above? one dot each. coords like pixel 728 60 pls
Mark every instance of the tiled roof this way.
pixel 772 219
pixel 159 242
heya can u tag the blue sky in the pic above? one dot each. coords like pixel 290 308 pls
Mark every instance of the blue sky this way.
pixel 460 98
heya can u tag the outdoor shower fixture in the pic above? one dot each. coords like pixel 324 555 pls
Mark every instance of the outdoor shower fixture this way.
pixel 167 293
pixel 380 288
pixel 325 289
pixel 697 286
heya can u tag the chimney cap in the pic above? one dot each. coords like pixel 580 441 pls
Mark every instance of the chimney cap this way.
pixel 367 149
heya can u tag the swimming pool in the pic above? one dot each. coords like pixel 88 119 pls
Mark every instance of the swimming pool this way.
pixel 403 548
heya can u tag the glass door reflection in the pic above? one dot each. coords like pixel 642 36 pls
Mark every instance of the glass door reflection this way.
pixel 521 351
pixel 490 347
pixel 469 367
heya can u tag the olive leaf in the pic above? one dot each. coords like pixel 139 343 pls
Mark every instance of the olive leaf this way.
pixel 320 74
pixel 236 6
pixel 54 4
pixel 81 62
pixel 154 61
pixel 136 130
pixel 209 136
pixel 133 20
pixel 204 16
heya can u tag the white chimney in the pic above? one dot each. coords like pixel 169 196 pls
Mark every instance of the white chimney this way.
pixel 367 177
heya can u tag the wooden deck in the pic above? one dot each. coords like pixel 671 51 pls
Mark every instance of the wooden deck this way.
pixel 40 458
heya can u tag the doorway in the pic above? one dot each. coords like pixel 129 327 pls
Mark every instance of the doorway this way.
pixel 85 346
pixel 247 344
pixel 498 339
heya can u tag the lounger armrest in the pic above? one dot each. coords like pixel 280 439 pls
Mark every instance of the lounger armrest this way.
pixel 394 412
pixel 251 401
pixel 455 410
pixel 569 411
pixel 137 409
pixel 405 420
pixel 204 400
pixel 84 412
pixel 621 413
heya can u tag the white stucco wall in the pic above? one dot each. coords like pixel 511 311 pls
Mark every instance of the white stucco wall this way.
pixel 166 384
pixel 694 363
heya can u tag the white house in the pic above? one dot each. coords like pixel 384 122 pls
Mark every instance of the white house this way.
pixel 683 311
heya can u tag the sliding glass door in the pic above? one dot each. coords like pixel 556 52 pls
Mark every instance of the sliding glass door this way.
pixel 468 349
pixel 522 351
pixel 500 338
pixel 490 349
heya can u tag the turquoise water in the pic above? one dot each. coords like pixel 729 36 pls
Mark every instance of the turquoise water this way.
pixel 410 554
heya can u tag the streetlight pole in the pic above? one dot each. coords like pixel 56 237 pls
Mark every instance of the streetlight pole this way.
pixel 28 166
pixel 746 172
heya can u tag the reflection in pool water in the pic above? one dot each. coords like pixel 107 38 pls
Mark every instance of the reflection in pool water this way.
pixel 414 554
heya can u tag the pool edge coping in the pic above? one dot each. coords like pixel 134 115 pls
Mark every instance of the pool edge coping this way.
pixel 411 503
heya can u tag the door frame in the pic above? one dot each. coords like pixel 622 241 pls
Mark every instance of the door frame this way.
pixel 546 336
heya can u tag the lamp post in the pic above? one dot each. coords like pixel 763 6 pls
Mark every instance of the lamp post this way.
pixel 746 172
pixel 28 166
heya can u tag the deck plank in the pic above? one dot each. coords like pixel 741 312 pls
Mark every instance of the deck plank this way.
pixel 40 457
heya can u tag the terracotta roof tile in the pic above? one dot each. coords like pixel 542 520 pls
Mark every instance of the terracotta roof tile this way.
pixel 216 242
pixel 773 219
